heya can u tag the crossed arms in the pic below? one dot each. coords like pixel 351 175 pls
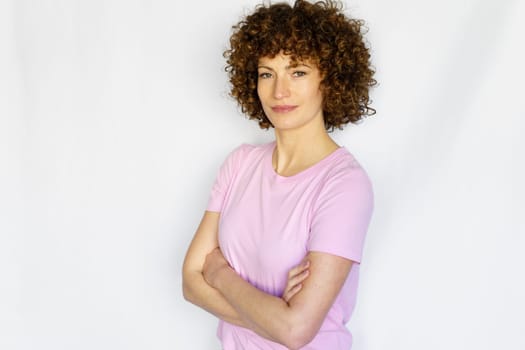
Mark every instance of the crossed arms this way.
pixel 292 320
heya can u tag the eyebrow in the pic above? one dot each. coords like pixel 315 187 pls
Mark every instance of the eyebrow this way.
pixel 295 65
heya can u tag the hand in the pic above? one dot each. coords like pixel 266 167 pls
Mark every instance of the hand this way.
pixel 213 264
pixel 296 276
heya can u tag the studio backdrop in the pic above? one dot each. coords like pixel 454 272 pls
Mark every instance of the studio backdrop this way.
pixel 114 120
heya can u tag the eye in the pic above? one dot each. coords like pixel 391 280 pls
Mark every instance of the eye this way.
pixel 265 75
pixel 299 73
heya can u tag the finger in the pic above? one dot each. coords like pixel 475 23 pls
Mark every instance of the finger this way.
pixel 295 281
pixel 291 283
pixel 289 295
pixel 298 269
pixel 300 278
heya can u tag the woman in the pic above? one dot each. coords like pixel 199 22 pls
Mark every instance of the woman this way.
pixel 276 255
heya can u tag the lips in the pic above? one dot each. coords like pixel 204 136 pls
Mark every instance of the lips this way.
pixel 283 108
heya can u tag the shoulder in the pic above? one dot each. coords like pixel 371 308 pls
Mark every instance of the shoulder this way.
pixel 343 209
pixel 345 169
pixel 347 180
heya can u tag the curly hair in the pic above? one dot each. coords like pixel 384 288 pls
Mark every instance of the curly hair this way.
pixel 317 32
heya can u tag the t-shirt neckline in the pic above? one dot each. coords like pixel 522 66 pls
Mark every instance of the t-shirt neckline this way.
pixel 303 173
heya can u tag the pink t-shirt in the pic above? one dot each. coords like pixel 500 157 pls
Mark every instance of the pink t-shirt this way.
pixel 268 223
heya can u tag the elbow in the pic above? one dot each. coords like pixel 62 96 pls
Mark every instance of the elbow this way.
pixel 187 290
pixel 297 342
pixel 189 295
pixel 299 335
pixel 190 283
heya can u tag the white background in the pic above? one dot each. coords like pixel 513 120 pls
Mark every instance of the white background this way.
pixel 114 119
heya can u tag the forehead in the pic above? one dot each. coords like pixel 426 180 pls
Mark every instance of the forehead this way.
pixel 283 59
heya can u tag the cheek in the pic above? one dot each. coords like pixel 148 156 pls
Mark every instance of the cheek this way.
pixel 314 95
pixel 262 93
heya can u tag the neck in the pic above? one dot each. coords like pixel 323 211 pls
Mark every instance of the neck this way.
pixel 297 150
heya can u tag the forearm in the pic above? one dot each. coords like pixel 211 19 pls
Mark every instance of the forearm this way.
pixel 294 323
pixel 195 288
pixel 269 316
pixel 200 293
pixel 197 291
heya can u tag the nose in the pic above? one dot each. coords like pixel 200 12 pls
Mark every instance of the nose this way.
pixel 281 88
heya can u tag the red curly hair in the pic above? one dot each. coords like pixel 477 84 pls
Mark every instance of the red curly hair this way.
pixel 317 32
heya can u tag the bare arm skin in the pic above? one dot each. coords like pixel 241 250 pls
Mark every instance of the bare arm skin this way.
pixel 294 323
pixel 197 291
pixel 195 288
pixel 296 277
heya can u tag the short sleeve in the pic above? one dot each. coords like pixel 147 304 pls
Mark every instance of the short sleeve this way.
pixel 224 179
pixel 342 213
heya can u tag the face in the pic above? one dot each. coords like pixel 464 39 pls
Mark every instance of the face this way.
pixel 290 92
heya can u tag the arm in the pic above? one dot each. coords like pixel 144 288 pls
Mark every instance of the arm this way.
pixel 195 288
pixel 197 291
pixel 296 276
pixel 293 324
